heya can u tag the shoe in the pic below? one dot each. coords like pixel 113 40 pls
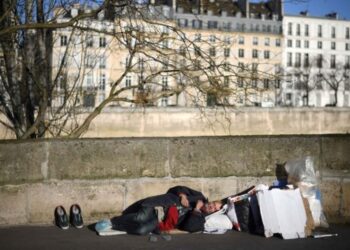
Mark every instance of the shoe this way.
pixel 76 218
pixel 61 218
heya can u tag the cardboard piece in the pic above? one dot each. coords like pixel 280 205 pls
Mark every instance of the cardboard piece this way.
pixel 282 212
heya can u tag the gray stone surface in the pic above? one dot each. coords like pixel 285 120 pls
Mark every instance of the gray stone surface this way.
pixel 106 175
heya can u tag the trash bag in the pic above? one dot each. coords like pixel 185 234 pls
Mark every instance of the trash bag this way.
pixel 301 173
pixel 248 215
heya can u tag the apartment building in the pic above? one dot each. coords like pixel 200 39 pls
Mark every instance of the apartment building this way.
pixel 243 39
pixel 316 60
pixel 260 56
pixel 244 35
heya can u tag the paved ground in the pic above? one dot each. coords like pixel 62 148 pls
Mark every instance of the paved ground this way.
pixel 50 237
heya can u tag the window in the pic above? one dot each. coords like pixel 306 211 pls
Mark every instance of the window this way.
pixel 255 40
pixel 102 82
pixel 289 60
pixel 212 51
pixel 319 60
pixel 254 83
pixel 297 44
pixel 347 33
pixel 298 29
pixel 241 40
pixel 319 30
pixel 306 60
pixel 89 81
pixel 241 53
pixel 128 81
pixel 333 61
pixel 64 40
pixel 347 82
pixel 103 42
pixel 290 29
pixel 240 82
pixel 164 83
pixel 277 83
pixel 226 26
pixel 347 62
pixel 182 50
pixel 306 31
pixel 182 22
pixel 90 63
pixel 227 40
pixel 197 51
pixel 212 38
pixel 319 45
pixel 267 41
pixel 197 37
pixel 306 44
pixel 297 59
pixel 212 24
pixel 211 100
pixel 290 43
pixel 267 54
pixel 241 66
pixel 165 44
pixel 226 52
pixel 102 62
pixel 333 45
pixel 333 32
pixel 164 101
pixel 89 41
pixel 226 81
pixel 255 67
pixel 196 24
pixel 266 83
pixel 141 64
pixel 278 42
pixel 347 46
pixel 255 53
pixel 319 78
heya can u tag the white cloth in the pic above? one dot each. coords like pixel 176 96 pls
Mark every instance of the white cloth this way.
pixel 218 222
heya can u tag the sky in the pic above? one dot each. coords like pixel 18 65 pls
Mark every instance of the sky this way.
pixel 318 7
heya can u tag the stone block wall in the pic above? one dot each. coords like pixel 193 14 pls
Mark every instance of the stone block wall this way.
pixel 106 175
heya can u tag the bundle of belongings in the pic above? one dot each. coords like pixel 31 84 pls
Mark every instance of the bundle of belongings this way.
pixel 291 207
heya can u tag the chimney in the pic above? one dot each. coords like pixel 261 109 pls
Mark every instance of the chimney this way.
pixel 304 13
pixel 74 11
pixel 332 15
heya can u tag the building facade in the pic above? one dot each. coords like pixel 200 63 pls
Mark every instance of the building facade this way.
pixel 257 57
pixel 316 60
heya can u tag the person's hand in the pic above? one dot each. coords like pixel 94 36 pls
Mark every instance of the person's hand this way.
pixel 184 201
pixel 199 205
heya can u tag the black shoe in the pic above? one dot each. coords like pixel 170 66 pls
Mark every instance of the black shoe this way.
pixel 61 218
pixel 76 218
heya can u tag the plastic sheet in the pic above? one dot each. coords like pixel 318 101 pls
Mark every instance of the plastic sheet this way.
pixel 301 173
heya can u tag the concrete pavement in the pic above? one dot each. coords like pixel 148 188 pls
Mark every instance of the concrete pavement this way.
pixel 50 237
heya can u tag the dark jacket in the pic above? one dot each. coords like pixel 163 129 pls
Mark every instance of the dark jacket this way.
pixel 190 220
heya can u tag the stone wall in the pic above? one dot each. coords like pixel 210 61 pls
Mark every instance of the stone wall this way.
pixel 105 175
pixel 170 122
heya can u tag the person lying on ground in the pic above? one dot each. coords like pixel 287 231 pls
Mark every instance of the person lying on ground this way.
pixel 183 208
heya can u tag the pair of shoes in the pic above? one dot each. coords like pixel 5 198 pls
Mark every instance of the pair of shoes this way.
pixel 75 217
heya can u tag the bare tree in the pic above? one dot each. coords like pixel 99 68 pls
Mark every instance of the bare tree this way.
pixel 335 78
pixel 50 62
pixel 306 78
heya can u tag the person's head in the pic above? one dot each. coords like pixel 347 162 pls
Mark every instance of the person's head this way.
pixel 211 207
